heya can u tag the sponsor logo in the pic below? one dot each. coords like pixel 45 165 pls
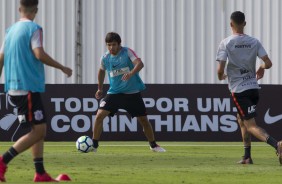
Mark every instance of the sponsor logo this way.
pixel 249 77
pixel 243 71
pixel 102 104
pixel 271 119
pixel 251 109
pixel 243 46
pixel 120 71
pixel 114 66
pixel 22 118
pixel 9 119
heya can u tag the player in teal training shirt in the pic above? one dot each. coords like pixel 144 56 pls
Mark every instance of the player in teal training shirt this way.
pixel 23 58
pixel 122 65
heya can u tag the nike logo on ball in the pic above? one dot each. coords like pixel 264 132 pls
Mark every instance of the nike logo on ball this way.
pixel 271 119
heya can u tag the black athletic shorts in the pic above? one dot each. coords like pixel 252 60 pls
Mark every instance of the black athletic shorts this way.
pixel 132 103
pixel 30 108
pixel 246 103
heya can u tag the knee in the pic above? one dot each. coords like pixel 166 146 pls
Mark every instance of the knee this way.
pixel 240 121
pixel 39 131
pixel 99 118
pixel 144 121
pixel 42 135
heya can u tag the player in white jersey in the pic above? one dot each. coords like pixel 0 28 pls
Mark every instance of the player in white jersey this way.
pixel 241 52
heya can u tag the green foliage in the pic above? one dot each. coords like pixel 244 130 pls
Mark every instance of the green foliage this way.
pixel 134 163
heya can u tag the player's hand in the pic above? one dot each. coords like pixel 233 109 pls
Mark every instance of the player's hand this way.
pixel 223 77
pixel 126 76
pixel 260 73
pixel 99 94
pixel 67 71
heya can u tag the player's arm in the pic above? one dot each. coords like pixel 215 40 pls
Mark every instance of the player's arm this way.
pixel 2 58
pixel 221 58
pixel 266 62
pixel 1 62
pixel 138 65
pixel 265 65
pixel 101 78
pixel 137 62
pixel 41 55
pixel 220 70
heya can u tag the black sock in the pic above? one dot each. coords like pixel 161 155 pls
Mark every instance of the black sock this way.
pixel 153 144
pixel 9 155
pixel 95 143
pixel 247 152
pixel 38 163
pixel 272 142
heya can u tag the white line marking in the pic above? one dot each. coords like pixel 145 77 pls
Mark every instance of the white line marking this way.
pixel 163 145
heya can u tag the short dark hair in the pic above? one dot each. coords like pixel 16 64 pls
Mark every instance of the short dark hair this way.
pixel 112 37
pixel 238 17
pixel 29 3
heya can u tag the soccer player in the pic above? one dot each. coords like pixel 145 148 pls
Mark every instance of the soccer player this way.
pixel 122 66
pixel 241 52
pixel 23 58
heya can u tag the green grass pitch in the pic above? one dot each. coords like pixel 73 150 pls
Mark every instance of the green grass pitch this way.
pixel 134 163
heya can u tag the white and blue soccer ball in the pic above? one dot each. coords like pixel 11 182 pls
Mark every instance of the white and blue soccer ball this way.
pixel 84 144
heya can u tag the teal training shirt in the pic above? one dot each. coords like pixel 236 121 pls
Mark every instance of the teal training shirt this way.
pixel 116 66
pixel 22 70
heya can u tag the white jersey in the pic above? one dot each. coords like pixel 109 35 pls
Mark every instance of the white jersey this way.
pixel 241 52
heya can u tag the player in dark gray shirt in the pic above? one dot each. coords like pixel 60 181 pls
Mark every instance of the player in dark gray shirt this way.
pixel 241 52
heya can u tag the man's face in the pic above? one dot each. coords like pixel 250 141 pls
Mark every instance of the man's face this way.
pixel 113 47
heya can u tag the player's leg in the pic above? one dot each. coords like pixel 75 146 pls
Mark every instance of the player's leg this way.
pixel 246 105
pixel 147 128
pixel 262 135
pixel 37 152
pixel 134 105
pixel 108 107
pixel 255 130
pixel 26 119
pixel 98 127
pixel 244 101
pixel 22 144
pixel 246 137
pixel 148 131
pixel 36 134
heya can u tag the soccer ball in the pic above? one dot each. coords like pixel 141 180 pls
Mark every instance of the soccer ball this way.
pixel 84 144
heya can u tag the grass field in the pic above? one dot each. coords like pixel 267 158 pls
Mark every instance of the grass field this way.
pixel 134 163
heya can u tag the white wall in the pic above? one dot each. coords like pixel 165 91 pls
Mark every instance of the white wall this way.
pixel 176 39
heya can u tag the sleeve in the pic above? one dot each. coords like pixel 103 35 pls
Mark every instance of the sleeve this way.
pixel 132 55
pixel 2 48
pixel 102 65
pixel 37 39
pixel 221 52
pixel 261 50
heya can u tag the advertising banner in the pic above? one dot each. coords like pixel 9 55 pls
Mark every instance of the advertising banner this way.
pixel 180 112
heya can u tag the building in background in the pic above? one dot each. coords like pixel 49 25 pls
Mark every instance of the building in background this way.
pixel 176 39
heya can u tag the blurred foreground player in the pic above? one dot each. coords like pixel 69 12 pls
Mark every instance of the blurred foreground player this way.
pixel 23 58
